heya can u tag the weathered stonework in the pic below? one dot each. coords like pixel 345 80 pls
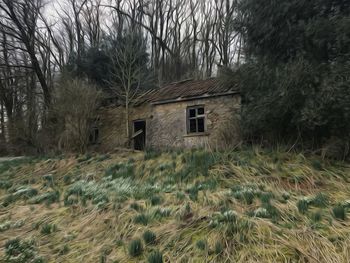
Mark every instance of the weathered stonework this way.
pixel 166 124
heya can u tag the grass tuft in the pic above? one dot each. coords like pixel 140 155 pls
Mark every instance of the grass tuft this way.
pixel 135 248
pixel 201 244
pixel 155 257
pixel 339 212
pixel 141 219
pixel 149 237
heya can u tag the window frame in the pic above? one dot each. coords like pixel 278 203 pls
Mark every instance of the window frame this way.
pixel 196 117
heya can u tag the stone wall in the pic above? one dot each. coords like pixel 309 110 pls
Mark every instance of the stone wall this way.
pixel 166 124
pixel 112 125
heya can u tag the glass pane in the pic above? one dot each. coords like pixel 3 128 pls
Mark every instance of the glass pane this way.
pixel 200 124
pixel 192 113
pixel 200 111
pixel 193 125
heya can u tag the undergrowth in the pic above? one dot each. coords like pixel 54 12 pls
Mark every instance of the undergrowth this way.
pixel 248 205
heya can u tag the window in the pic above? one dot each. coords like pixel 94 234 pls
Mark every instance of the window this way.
pixel 195 120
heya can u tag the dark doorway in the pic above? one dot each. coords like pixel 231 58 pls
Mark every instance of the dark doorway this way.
pixel 139 135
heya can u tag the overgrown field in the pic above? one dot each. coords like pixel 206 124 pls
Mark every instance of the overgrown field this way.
pixel 195 206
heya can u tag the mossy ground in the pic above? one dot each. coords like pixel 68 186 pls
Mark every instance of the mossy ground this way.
pixel 239 206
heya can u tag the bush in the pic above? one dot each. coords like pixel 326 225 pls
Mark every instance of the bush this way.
pixel 135 248
pixel 149 237
pixel 155 257
pixel 74 107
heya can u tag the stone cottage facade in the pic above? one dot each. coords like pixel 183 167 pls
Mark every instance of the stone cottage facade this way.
pixel 185 114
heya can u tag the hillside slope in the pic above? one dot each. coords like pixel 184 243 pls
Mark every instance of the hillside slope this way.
pixel 243 206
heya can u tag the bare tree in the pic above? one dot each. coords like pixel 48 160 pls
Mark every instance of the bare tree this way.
pixel 130 75
pixel 20 20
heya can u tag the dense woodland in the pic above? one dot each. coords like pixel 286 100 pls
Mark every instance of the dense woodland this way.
pixel 291 60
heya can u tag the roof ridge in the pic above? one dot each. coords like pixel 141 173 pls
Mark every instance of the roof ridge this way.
pixel 187 80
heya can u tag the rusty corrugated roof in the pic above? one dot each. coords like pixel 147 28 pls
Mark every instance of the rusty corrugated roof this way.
pixel 188 89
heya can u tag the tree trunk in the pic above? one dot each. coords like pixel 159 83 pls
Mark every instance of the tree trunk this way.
pixel 128 144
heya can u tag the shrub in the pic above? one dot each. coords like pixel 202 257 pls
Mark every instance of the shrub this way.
pixel 135 248
pixel 155 257
pixel 149 237
pixel 339 212
pixel 141 219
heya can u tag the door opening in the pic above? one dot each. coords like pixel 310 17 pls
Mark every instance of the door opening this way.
pixel 139 135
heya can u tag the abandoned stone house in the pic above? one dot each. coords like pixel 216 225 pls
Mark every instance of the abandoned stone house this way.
pixel 186 114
